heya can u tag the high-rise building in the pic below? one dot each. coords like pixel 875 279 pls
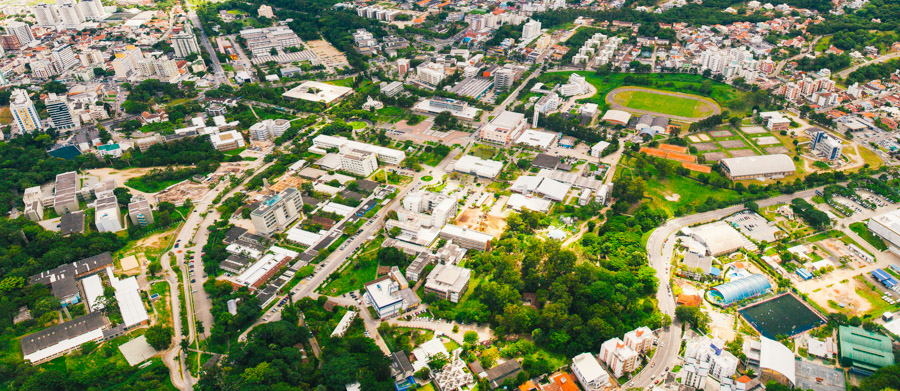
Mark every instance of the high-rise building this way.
pixel 92 9
pixel 185 43
pixel 402 66
pixel 503 79
pixel 64 57
pixel 362 163
pixel 107 216
pixel 46 15
pixel 277 212
pixel 139 211
pixel 126 62
pixel 23 111
pixel 21 31
pixel 531 30
pixel 71 16
pixel 60 113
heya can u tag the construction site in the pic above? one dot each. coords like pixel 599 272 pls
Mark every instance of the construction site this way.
pixel 195 190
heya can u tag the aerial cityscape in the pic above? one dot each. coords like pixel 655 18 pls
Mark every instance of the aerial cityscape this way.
pixel 450 195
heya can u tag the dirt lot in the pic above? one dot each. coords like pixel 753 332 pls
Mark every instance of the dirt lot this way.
pixel 714 156
pixel 728 144
pixel 774 150
pixel 842 293
pixel 753 129
pixel 742 152
pixel 422 132
pixel 477 220
pixel 195 191
pixel 706 146
pixel 329 55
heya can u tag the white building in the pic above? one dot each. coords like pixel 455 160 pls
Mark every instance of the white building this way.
pixel 448 282
pixel 430 73
pixel 887 227
pixel 265 11
pixel 269 129
pixel 384 155
pixel 531 30
pixel 505 128
pixel 107 216
pixel 640 339
pixel 722 364
pixel 276 213
pixel 71 16
pixel 139 211
pixel 24 114
pixel 228 140
pixel 826 145
pixel 476 166
pixel 64 57
pixel 46 15
pixel 358 162
pixel 185 42
pixel 21 31
pixel 589 373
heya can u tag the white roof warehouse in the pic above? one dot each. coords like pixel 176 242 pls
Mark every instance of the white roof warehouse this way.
pixel 752 167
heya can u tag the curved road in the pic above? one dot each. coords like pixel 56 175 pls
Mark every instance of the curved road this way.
pixel 659 250
pixel 610 99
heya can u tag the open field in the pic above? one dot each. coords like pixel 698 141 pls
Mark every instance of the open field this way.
pixel 677 194
pixel 663 102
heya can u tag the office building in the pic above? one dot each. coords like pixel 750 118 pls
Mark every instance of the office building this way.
pixel 357 162
pixel 261 41
pixel 384 155
pixel 589 373
pixel 139 211
pixel 467 238
pixel 448 282
pixel 24 114
pixel 430 73
pixel 277 212
pixel 269 129
pixel 21 31
pixel 56 341
pixel 46 15
pixel 92 9
pixel 107 216
pixel 262 270
pixel 474 165
pixel 60 114
pixel 185 42
pixel 887 227
pixel 390 295
pixel 34 206
pixel 402 66
pixel 228 140
pixel 826 145
pixel 505 128
pixel 64 193
pixel 63 280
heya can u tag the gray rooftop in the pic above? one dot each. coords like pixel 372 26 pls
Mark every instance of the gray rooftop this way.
pixel 53 335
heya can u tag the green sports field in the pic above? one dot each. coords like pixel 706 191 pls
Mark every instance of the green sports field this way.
pixel 650 100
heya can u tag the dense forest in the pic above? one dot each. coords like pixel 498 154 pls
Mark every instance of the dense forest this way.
pixel 883 15
pixel 873 72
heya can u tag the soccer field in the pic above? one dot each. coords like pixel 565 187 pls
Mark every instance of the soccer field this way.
pixel 785 315
pixel 663 103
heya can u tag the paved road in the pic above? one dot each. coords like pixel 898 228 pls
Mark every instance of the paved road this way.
pixel 881 59
pixel 218 71
pixel 659 250
pixel 610 98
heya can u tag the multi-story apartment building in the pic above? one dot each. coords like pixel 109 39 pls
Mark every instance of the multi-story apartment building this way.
pixel 139 211
pixel 60 113
pixel 448 282
pixel 358 162
pixel 589 373
pixel 24 114
pixel 620 358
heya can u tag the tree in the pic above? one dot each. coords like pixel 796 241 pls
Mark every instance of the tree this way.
pixel 438 362
pixel 693 316
pixel 391 256
pixel 750 205
pixel 470 336
pixel 159 336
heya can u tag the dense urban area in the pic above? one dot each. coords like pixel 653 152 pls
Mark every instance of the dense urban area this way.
pixel 450 195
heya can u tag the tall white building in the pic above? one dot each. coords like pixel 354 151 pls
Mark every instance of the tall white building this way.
pixel 126 62
pixel 269 129
pixel 362 163
pixel 185 42
pixel 70 15
pixel 21 31
pixel 64 57
pixel 266 12
pixel 107 216
pixel 430 73
pixel 46 15
pixel 23 111
pixel 827 145
pixel 531 30
pixel 276 213
pixel 620 358
pixel 92 9
pixel 60 113
pixel 504 78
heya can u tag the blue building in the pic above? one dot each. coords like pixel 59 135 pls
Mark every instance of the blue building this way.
pixel 745 288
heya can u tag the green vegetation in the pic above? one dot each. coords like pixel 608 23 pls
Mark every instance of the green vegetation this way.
pixel 868 236
pixel 345 82
pixel 360 270
pixel 649 100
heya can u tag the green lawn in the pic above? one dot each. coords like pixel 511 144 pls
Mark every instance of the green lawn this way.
pixel 361 270
pixel 868 236
pixel 728 97
pixel 649 100
pixel 141 185
pixel 357 125
pixel 345 82
pixel 690 193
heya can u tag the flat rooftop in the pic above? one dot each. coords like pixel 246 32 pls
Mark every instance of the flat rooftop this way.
pixel 314 91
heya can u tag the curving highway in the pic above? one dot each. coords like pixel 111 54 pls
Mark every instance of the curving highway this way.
pixel 659 251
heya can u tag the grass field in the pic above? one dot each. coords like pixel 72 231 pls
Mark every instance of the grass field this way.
pixel 868 236
pixel 345 82
pixel 784 314
pixel 150 187
pixel 649 100
pixel 357 125
pixel 728 97
pixel 690 194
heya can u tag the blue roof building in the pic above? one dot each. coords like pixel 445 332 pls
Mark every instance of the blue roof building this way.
pixel 745 288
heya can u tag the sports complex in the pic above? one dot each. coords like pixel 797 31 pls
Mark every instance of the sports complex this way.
pixel 676 105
